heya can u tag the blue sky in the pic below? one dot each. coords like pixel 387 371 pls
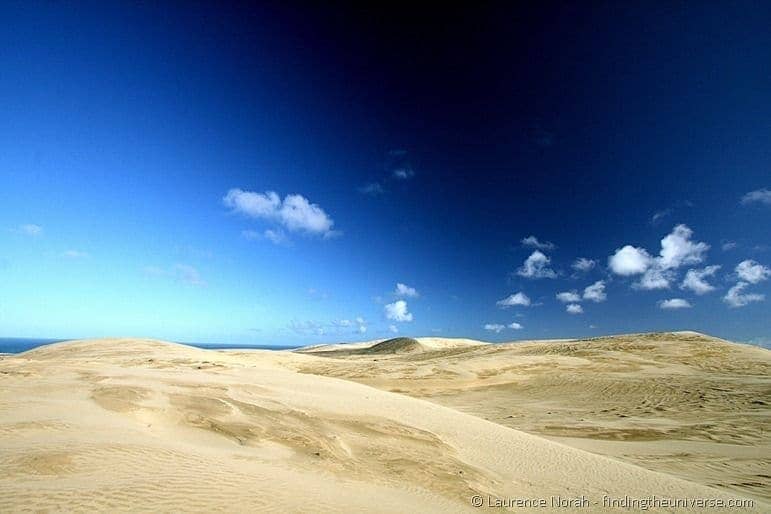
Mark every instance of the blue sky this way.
pixel 270 175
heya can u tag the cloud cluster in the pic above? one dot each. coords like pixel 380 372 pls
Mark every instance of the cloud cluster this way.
pixel 498 328
pixel 574 308
pixel 295 213
pixel 749 272
pixel 357 325
pixel 677 249
pixel 536 266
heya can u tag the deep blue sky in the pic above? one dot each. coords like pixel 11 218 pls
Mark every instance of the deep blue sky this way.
pixel 431 143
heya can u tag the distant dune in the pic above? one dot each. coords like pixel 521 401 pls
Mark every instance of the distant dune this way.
pixel 402 425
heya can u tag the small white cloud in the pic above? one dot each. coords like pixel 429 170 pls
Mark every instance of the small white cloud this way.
pixel 762 196
pixel 574 308
pixel 515 326
pixel 596 292
pixel 75 254
pixel 536 266
pixel 533 242
pixel 153 271
pixel 629 260
pixel 30 229
pixel 393 328
pixel 678 249
pixel 752 272
pixel 362 329
pixel 494 327
pixel 295 212
pixel 515 299
pixel 735 297
pixel 188 274
pixel 583 264
pixel 372 189
pixel 402 173
pixel 658 216
pixel 277 237
pixel 674 303
pixel 569 296
pixel 397 311
pixel 728 245
pixel 655 278
pixel 406 291
pixel 695 280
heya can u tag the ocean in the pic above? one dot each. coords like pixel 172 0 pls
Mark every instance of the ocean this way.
pixel 18 345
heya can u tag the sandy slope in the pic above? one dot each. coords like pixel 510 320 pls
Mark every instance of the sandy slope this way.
pixel 136 425
pixel 682 403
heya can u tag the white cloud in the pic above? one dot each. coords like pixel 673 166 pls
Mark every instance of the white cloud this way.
pixel 514 300
pixel 596 292
pixel 372 189
pixel 574 308
pixel 362 329
pixel 655 278
pixel 515 326
pixel 402 173
pixel 277 237
pixel 569 296
pixel 75 254
pixel 735 297
pixel 583 264
pixel 30 229
pixel 758 196
pixel 536 266
pixel 188 274
pixel 295 213
pixel 533 242
pixel 406 291
pixel 695 280
pixel 629 261
pixel 752 272
pixel 658 216
pixel 674 303
pixel 494 327
pixel 728 245
pixel 397 311
pixel 678 249
pixel 393 329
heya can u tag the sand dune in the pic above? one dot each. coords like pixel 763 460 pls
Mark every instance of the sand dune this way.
pixel 140 425
pixel 681 403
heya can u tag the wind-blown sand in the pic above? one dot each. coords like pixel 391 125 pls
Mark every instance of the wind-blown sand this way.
pixel 139 425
